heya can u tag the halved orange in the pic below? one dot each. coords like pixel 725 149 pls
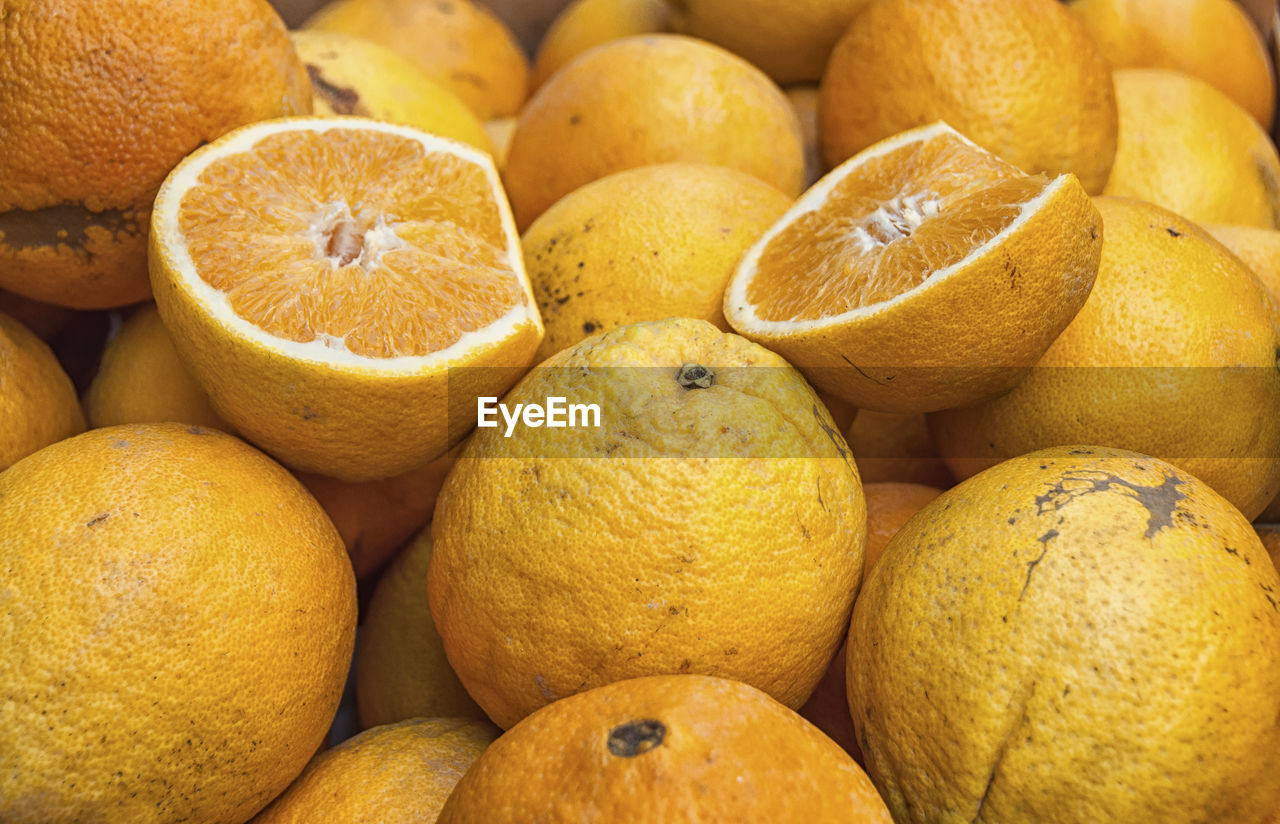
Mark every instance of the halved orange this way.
pixel 920 274
pixel 322 277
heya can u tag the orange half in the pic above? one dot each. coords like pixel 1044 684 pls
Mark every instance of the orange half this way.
pixel 322 277
pixel 923 273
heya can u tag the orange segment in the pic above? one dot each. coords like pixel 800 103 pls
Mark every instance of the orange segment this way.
pixel 921 274
pixel 320 276
pixel 907 214
pixel 401 270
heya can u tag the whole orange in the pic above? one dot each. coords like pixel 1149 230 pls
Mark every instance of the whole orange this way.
pixel 178 620
pixel 101 100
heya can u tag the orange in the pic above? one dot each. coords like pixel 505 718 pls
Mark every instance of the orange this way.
pixel 462 45
pixel 1259 249
pixel 660 749
pixel 650 99
pixel 1270 537
pixel 620 249
pixel 1077 634
pixel 1022 78
pixel 38 404
pixel 397 774
pixel 183 609
pixel 401 669
pixel 320 276
pixel 376 518
pixel 1188 147
pixel 896 446
pixel 707 520
pixel 142 380
pixel 584 24
pixel 889 507
pixel 1203 398
pixel 920 274
pixel 101 100
pixel 1173 34
pixel 355 76
pixel 791 42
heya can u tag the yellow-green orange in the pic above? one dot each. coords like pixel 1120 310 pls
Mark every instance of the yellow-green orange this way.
pixel 584 24
pixel 1077 634
pixel 178 623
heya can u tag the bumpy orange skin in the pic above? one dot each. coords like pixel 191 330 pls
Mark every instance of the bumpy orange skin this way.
pixel 1020 78
pixel 101 100
pixel 1078 634
pixel 38 404
pixel 178 623
pixel 650 99
pixel 1173 355
pixel 663 749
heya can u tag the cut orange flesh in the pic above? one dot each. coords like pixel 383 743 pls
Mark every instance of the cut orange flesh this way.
pixel 367 240
pixel 883 231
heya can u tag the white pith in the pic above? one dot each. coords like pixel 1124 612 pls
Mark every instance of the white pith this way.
pixel 376 241
pixel 894 220
pixel 336 219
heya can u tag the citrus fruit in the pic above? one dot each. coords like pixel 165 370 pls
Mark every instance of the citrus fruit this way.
pixel 889 506
pixel 923 273
pixel 101 100
pixel 804 99
pixel 142 380
pixel 1077 634
pixel 1022 78
pixel 462 45
pixel 896 446
pixel 38 404
pixel 1188 147
pixel 401 669
pixel 650 99
pixel 664 748
pixel 499 131
pixel 47 320
pixel 708 521
pixel 1172 34
pixel 376 518
pixel 1270 536
pixel 620 249
pixel 1173 355
pixel 791 43
pixel 320 276
pixel 354 76
pixel 1259 249
pixel 178 623
pixel 584 24
pixel 396 774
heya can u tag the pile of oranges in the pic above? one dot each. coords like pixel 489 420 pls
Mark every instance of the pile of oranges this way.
pixel 639 410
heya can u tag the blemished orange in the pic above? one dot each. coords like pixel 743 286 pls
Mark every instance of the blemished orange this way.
pixel 395 774
pixel 1259 249
pixel 1021 78
pixel 889 507
pixel 1188 147
pixel 102 99
pixel 621 249
pixel 649 99
pixel 896 447
pixel 1174 34
pixel 377 518
pixel 401 669
pixel 319 276
pixel 183 608
pixel 1203 398
pixel 707 520
pixel 920 274
pixel 584 24
pixel 354 76
pixel 661 749
pixel 38 402
pixel 461 44
pixel 791 42
pixel 141 379
pixel 1077 634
